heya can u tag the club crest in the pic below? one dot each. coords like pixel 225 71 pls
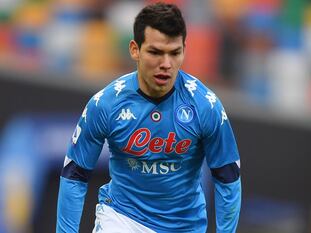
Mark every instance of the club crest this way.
pixel 184 113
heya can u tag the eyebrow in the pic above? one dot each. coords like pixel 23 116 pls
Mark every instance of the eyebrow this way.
pixel 159 50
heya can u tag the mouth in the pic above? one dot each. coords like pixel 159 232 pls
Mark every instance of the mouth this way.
pixel 161 79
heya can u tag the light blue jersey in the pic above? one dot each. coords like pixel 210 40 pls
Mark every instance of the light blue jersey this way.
pixel 157 149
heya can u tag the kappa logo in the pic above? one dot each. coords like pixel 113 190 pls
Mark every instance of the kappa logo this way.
pixel 97 96
pixel 211 98
pixel 191 86
pixel 184 114
pixel 224 117
pixel 126 114
pixel 118 86
pixel 98 227
pixel 84 114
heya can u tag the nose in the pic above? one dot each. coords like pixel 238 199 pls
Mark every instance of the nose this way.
pixel 165 62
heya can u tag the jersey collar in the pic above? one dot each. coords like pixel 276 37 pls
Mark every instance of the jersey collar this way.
pixel 154 99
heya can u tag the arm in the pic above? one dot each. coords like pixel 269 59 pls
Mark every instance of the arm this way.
pixel 82 156
pixel 227 197
pixel 223 158
pixel 72 191
pixel 70 205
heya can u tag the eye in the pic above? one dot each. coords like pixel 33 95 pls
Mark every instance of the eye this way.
pixel 153 52
pixel 176 53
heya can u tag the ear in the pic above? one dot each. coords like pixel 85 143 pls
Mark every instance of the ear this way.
pixel 134 50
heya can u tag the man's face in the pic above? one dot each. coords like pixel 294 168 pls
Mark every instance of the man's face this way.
pixel 158 61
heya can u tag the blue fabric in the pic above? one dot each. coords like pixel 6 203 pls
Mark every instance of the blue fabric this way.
pixel 70 205
pixel 157 150
pixel 227 205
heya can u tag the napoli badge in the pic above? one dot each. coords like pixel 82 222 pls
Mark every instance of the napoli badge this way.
pixel 184 113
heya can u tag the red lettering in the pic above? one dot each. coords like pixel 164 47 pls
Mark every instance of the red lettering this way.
pixel 183 146
pixel 169 143
pixel 156 144
pixel 135 140
pixel 140 142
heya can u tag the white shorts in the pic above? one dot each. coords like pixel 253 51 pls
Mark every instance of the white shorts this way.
pixel 109 221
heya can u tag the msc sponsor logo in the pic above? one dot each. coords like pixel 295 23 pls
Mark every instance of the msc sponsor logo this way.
pixel 155 168
pixel 140 142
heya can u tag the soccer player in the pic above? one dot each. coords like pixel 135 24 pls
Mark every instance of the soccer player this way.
pixel 160 123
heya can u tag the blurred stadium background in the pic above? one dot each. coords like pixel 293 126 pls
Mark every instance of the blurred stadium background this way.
pixel 255 54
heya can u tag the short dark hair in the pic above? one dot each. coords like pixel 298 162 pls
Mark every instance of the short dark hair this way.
pixel 167 18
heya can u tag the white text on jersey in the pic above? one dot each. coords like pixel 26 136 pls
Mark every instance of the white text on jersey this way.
pixel 155 168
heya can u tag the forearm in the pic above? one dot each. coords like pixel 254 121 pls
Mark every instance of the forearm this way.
pixel 227 205
pixel 70 205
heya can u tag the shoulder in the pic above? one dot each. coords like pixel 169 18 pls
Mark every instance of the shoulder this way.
pixel 205 102
pixel 114 91
pixel 101 105
pixel 197 91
